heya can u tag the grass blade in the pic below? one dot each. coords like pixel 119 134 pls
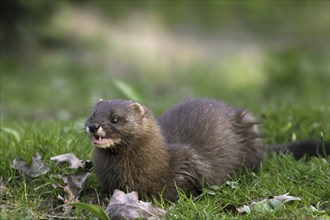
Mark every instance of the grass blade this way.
pixel 127 91
pixel 11 132
pixel 96 210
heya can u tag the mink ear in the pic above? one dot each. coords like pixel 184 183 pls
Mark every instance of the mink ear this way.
pixel 98 102
pixel 137 108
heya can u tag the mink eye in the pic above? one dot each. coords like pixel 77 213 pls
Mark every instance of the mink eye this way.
pixel 114 120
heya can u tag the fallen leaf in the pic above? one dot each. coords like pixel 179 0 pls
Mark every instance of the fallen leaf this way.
pixel 74 185
pixel 37 167
pixel 128 206
pixel 285 198
pixel 73 182
pixel 70 158
pixel 76 180
pixel 271 204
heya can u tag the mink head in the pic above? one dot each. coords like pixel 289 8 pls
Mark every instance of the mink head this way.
pixel 114 122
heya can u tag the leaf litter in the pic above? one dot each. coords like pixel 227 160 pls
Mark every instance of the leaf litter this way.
pixel 74 186
pixel 121 205
pixel 37 168
pixel 73 182
pixel 74 162
pixel 128 206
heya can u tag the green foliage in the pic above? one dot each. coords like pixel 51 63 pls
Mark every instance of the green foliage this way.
pixel 291 68
pixel 96 210
pixel 48 88
pixel 308 180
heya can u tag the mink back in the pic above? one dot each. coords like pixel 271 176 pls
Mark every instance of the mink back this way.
pixel 210 141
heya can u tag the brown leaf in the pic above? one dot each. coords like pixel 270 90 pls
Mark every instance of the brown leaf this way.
pixel 74 162
pixel 37 167
pixel 74 185
pixel 128 206
pixel 76 180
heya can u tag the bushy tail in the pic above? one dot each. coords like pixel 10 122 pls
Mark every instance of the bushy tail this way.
pixel 299 149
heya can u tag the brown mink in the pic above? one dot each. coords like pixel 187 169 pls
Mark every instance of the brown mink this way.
pixel 197 143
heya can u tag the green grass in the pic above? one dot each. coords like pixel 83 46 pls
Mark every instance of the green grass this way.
pixel 47 92
pixel 33 198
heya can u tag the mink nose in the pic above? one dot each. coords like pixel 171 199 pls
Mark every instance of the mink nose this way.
pixel 93 128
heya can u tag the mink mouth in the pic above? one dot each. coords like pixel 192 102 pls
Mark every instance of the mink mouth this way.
pixel 100 141
pixel 103 142
pixel 99 138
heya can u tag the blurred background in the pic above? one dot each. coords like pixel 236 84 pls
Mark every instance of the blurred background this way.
pixel 59 57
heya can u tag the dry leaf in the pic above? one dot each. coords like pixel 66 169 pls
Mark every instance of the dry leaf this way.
pixel 74 185
pixel 70 158
pixel 76 180
pixel 128 206
pixel 37 167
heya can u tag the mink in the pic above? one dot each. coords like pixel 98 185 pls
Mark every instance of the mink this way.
pixel 195 144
